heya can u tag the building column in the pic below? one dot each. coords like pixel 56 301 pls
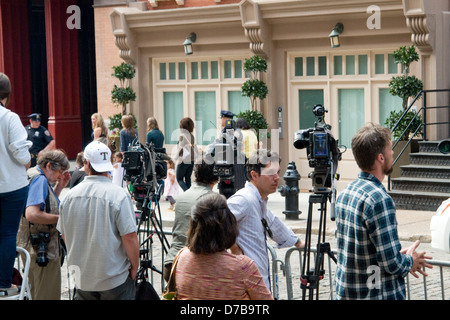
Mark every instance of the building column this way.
pixel 63 78
pixel 15 54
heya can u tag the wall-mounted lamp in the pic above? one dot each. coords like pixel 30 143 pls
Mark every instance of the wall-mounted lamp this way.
pixel 334 35
pixel 188 43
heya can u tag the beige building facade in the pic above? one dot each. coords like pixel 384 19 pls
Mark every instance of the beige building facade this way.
pixel 351 81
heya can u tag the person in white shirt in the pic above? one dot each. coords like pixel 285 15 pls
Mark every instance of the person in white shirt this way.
pixel 15 155
pixel 98 223
pixel 255 220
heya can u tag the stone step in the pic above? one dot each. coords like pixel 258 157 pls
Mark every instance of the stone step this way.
pixel 425 171
pixel 414 200
pixel 429 146
pixel 430 158
pixel 421 184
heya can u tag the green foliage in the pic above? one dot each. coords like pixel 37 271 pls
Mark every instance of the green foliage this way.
pixel 255 64
pixel 255 119
pixel 405 86
pixel 123 94
pixel 124 72
pixel 115 121
pixel 404 56
pixel 395 116
pixel 254 88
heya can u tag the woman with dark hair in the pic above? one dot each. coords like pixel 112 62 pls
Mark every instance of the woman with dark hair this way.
pixel 186 153
pixel 205 270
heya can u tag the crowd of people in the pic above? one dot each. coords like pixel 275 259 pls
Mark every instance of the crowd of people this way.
pixel 219 243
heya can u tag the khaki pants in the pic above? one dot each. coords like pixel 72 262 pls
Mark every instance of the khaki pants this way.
pixel 45 282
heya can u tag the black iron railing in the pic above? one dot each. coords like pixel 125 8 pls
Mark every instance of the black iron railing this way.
pixel 421 111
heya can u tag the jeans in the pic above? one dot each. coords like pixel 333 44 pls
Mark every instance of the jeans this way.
pixel 12 205
pixel 184 172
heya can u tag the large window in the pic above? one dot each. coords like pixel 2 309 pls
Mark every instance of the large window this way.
pixel 237 102
pixel 198 89
pixel 307 99
pixel 388 103
pixel 205 115
pixel 351 114
pixel 173 113
pixel 355 86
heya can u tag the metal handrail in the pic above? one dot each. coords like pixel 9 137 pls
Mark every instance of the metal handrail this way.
pixel 423 109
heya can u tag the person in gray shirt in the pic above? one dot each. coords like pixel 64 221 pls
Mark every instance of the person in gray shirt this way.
pixel 98 223
pixel 204 183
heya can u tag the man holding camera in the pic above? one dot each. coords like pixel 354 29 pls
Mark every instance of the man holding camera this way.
pixel 37 232
pixel 98 223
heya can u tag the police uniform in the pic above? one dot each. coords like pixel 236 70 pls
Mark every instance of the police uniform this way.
pixel 40 137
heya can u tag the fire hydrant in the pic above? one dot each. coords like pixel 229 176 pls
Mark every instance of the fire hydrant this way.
pixel 290 190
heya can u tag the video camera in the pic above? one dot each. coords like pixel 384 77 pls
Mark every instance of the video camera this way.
pixel 322 150
pixel 144 166
pixel 228 159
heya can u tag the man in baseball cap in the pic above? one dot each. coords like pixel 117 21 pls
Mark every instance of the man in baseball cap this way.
pixel 98 222
pixel 99 156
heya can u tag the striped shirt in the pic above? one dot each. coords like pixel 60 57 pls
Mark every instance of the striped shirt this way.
pixel 369 262
pixel 249 209
pixel 219 276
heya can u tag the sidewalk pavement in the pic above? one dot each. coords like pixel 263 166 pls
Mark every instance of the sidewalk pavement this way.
pixel 412 225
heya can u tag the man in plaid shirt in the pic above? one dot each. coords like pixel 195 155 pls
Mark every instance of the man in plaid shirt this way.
pixel 370 262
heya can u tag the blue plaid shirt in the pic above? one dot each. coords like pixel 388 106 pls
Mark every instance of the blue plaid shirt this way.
pixel 369 262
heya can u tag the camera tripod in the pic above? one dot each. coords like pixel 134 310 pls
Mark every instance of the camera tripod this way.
pixel 310 278
pixel 149 223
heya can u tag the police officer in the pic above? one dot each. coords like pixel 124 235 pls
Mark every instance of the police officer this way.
pixel 224 116
pixel 40 136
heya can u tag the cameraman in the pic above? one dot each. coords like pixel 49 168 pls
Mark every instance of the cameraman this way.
pixel 38 228
pixel 205 179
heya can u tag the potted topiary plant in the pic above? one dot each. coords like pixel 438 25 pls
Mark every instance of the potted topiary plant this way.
pixel 405 86
pixel 254 88
pixel 123 94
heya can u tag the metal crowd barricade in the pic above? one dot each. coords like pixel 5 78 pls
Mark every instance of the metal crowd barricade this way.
pixel 287 268
pixel 436 263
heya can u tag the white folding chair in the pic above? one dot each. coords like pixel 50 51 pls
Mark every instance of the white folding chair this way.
pixel 25 287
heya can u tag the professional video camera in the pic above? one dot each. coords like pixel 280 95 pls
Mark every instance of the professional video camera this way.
pixel 144 166
pixel 322 150
pixel 228 159
pixel 323 155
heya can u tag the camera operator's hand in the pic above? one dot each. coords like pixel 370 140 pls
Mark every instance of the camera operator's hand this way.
pixel 419 260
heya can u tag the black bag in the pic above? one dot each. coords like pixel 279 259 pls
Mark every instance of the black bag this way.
pixel 145 290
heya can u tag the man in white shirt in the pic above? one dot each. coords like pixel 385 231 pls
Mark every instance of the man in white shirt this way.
pixel 98 223
pixel 255 220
